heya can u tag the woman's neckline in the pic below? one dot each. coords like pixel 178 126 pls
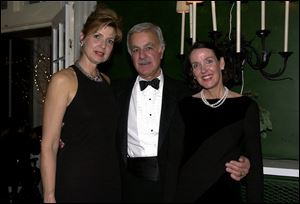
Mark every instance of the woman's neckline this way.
pixel 97 78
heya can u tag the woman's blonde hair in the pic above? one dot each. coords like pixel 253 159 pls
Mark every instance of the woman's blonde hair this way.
pixel 101 17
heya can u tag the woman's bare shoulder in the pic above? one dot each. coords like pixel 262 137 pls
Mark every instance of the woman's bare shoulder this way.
pixel 64 75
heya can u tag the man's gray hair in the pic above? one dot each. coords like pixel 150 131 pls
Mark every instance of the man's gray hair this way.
pixel 146 26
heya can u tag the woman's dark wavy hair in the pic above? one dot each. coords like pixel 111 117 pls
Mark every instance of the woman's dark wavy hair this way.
pixel 217 50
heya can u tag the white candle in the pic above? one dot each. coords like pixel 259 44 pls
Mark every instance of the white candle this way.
pixel 182 7
pixel 194 14
pixel 238 26
pixel 194 21
pixel 182 33
pixel 263 14
pixel 191 20
pixel 286 26
pixel 213 13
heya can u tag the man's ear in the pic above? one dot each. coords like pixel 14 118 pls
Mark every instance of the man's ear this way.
pixel 162 52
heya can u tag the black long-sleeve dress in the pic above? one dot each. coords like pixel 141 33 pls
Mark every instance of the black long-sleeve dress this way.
pixel 213 137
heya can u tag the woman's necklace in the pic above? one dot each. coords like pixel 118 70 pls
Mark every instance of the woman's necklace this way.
pixel 96 78
pixel 218 103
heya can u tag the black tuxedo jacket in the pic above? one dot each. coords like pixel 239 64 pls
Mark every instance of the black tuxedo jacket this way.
pixel 171 131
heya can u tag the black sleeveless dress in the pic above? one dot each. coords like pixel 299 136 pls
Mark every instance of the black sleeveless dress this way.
pixel 88 165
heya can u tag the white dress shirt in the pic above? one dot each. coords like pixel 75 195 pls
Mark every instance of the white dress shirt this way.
pixel 144 119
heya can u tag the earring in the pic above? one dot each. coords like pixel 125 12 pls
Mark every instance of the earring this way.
pixel 81 43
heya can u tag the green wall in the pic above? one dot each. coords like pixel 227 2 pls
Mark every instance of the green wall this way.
pixel 280 98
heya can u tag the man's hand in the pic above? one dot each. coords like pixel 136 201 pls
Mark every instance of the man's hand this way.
pixel 238 169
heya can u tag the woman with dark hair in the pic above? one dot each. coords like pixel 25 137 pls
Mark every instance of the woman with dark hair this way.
pixel 220 125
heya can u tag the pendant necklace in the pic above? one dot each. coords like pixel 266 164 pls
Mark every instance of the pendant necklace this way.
pixel 96 78
pixel 218 103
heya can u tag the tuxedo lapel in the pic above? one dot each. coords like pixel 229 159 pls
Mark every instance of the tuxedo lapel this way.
pixel 167 110
pixel 125 102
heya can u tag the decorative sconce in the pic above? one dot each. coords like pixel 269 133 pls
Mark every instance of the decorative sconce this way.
pixel 239 51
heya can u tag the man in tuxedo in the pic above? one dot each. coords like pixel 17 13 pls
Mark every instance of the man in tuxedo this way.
pixel 151 129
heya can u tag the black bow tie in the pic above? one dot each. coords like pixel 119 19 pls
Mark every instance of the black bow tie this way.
pixel 154 83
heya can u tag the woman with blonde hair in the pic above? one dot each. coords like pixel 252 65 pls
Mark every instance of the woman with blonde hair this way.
pixel 80 110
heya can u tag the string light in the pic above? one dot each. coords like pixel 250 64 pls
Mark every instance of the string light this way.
pixel 41 76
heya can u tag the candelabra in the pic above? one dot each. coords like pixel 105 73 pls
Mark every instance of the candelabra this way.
pixel 240 52
pixel 249 55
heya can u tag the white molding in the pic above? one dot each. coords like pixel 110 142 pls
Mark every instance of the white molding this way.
pixel 20 16
pixel 26 27
pixel 288 168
